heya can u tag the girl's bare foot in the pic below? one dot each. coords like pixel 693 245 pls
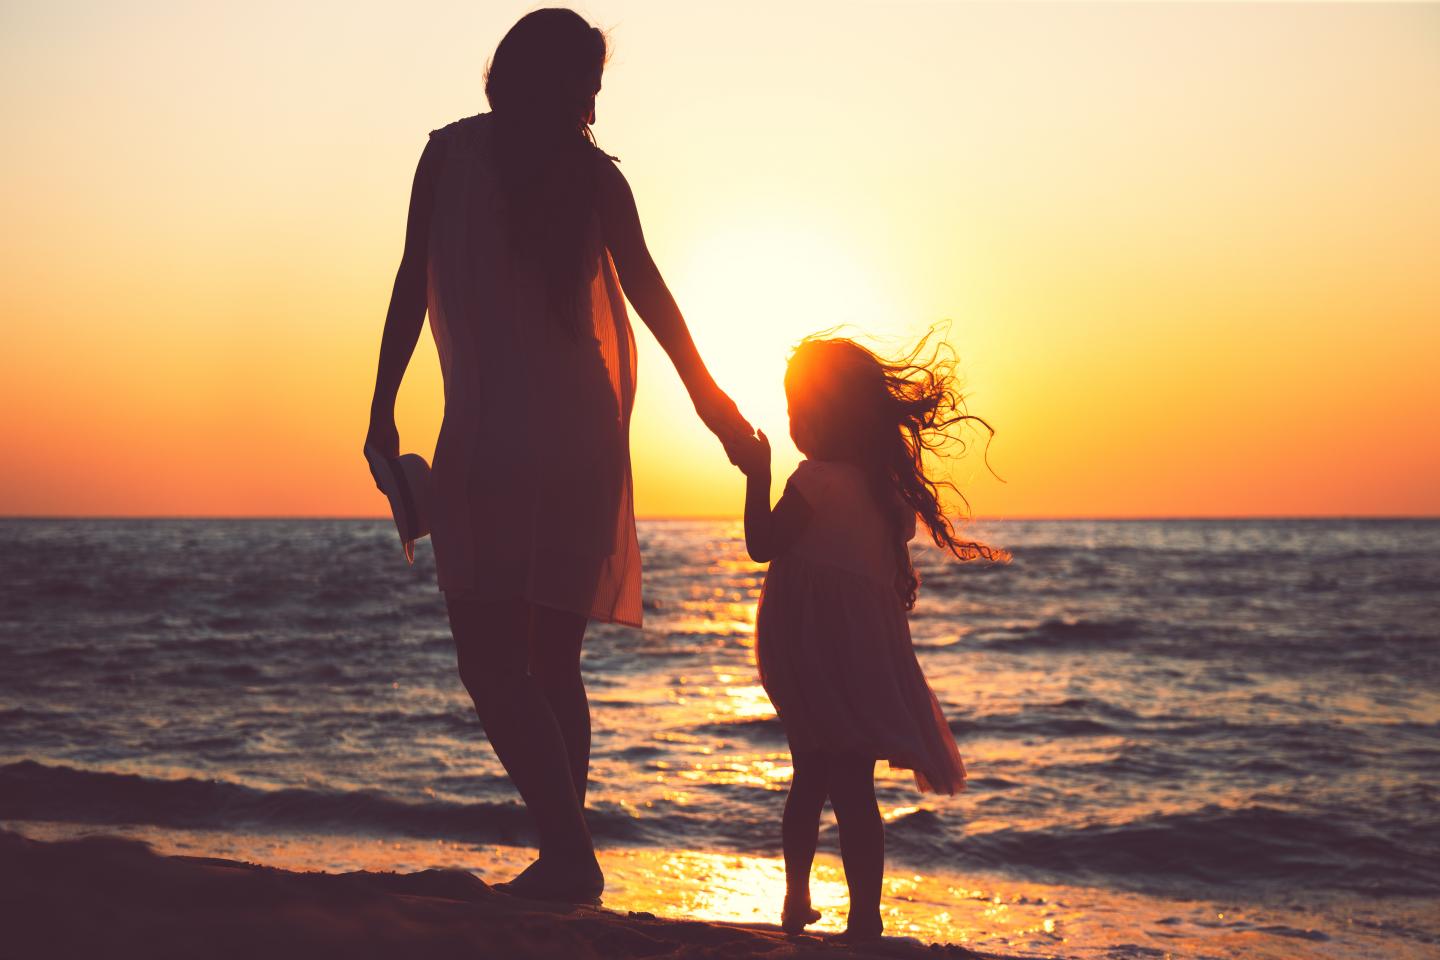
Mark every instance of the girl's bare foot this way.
pixel 796 915
pixel 861 930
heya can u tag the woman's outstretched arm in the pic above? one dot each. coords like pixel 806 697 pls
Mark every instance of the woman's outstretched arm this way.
pixel 407 310
pixel 646 289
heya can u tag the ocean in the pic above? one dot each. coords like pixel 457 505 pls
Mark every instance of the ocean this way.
pixel 1184 738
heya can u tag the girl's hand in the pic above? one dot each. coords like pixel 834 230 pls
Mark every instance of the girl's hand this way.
pixel 385 438
pixel 751 455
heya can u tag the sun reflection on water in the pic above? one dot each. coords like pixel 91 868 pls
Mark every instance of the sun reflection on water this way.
pixel 981 912
pixel 745 702
pixel 711 886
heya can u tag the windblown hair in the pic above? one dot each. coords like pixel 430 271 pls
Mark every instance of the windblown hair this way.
pixel 541 84
pixel 891 416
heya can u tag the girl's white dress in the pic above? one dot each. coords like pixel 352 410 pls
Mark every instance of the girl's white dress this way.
pixel 832 640
pixel 530 487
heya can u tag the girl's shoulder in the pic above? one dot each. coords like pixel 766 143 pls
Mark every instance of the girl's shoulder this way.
pixel 812 473
pixel 838 487
pixel 827 481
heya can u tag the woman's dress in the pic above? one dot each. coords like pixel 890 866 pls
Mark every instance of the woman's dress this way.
pixel 530 485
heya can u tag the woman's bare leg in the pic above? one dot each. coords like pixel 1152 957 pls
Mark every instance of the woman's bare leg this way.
pixel 492 647
pixel 799 832
pixel 555 639
pixel 862 841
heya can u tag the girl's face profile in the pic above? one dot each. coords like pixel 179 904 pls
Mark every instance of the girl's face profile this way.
pixel 799 429
pixel 812 433
pixel 799 408
pixel 811 427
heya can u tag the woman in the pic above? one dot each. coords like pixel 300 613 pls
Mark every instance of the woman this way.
pixel 521 235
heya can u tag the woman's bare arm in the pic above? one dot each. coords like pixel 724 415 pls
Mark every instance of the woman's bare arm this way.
pixel 406 315
pixel 646 289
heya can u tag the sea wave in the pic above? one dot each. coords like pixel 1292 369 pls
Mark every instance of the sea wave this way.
pixel 1062 634
pixel 1224 847
pixel 35 791
pixel 1212 846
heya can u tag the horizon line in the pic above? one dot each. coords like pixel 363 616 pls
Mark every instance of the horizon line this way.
pixel 719 517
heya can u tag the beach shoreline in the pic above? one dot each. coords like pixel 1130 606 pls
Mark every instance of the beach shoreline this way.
pixel 105 895
pixel 309 890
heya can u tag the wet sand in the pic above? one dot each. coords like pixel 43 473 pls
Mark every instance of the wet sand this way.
pixel 106 896
pixel 100 881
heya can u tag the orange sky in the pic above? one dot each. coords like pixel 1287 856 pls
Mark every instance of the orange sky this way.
pixel 1187 250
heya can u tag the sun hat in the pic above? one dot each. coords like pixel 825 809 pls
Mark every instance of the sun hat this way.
pixel 405 481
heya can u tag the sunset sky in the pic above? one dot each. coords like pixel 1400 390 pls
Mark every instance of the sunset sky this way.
pixel 1188 252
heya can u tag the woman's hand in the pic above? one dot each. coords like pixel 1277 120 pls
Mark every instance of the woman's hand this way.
pixel 718 412
pixel 384 437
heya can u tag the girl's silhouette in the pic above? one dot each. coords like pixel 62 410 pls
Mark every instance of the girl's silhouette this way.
pixel 831 636
pixel 521 236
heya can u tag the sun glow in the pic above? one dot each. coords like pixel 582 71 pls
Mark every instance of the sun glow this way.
pixel 753 292
pixel 1147 222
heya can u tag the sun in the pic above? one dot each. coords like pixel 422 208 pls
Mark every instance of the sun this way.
pixel 752 292
pixel 751 288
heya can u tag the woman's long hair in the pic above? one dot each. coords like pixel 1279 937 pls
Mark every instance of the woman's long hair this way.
pixel 541 84
pixel 890 415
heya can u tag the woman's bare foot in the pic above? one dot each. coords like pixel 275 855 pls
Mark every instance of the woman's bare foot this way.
pixel 563 879
pixel 797 914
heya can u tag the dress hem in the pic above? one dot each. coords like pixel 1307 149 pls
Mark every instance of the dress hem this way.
pixel 589 615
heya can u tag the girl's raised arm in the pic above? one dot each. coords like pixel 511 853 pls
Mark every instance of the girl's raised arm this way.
pixel 768 533
pixel 407 309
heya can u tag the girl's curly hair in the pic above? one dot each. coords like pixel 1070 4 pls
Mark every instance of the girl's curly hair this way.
pixel 892 414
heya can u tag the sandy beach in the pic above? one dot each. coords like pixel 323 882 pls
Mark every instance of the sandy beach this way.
pixel 115 897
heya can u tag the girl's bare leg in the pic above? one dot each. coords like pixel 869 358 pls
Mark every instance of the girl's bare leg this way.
pixel 862 842
pixel 800 831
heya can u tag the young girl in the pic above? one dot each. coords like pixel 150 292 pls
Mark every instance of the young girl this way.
pixel 831 637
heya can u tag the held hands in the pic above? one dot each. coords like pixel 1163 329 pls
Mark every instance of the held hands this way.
pixel 751 454
pixel 719 413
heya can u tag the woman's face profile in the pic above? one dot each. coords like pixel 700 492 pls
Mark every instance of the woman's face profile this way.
pixel 590 104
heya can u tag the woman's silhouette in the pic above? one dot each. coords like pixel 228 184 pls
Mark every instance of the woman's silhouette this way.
pixel 518 227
